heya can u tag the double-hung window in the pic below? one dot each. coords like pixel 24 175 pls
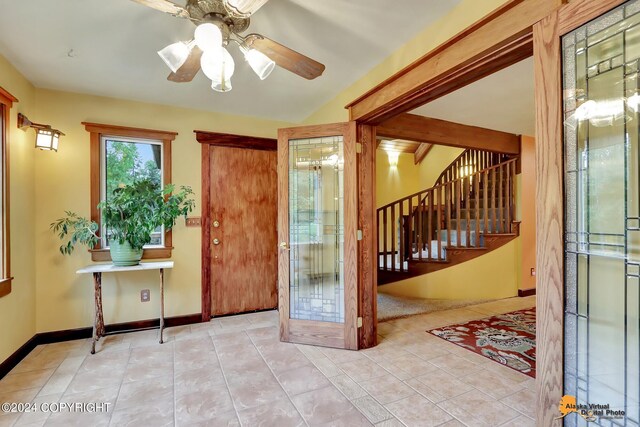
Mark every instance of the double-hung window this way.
pixel 120 156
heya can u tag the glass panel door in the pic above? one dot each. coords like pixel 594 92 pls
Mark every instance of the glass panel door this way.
pixel 602 217
pixel 317 221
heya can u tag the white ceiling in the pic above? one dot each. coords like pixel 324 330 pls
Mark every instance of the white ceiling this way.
pixel 502 101
pixel 108 47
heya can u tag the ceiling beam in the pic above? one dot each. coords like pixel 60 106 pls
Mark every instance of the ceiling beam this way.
pixel 442 132
pixel 421 152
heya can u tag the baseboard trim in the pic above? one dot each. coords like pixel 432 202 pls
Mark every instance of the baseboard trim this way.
pixel 526 292
pixel 81 333
pixel 17 356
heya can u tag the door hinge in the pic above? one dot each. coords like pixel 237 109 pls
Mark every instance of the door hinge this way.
pixel 359 234
pixel 359 322
pixel 358 148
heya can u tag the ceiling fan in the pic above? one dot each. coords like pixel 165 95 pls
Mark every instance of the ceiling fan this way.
pixel 219 23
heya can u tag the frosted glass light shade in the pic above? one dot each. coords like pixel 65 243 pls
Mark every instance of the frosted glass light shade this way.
pixel 218 65
pixel 47 139
pixel 259 62
pixel 243 8
pixel 208 36
pixel 175 55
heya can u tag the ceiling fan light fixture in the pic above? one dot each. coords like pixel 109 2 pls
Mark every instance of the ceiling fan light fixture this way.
pixel 218 66
pixel 208 36
pixel 243 8
pixel 260 63
pixel 175 55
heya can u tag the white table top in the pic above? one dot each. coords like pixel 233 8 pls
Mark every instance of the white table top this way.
pixel 110 268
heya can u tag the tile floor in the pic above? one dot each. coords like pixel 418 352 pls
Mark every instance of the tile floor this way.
pixel 233 371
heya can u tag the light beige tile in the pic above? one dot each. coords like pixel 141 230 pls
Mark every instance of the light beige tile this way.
pixel 281 414
pixel 387 389
pixel 439 385
pixel 226 419
pixel 393 422
pixel 195 406
pixel 521 421
pixel 327 406
pixel 371 409
pixel 363 370
pixel 25 380
pixel 139 393
pixel 40 414
pixel 252 391
pixel 327 367
pixel 199 379
pixel 417 411
pixel 348 387
pixel 492 384
pixel 456 365
pixel 478 409
pixel 302 380
pixel 156 411
pixel 522 401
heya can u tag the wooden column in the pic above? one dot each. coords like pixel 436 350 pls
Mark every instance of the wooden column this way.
pixel 549 223
pixel 368 246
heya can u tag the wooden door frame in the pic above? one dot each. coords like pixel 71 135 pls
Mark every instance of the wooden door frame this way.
pixel 515 31
pixel 208 139
pixel 315 332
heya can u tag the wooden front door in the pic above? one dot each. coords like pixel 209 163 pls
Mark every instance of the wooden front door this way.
pixel 317 229
pixel 243 237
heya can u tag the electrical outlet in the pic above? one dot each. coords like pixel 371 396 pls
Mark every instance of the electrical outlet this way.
pixel 533 271
pixel 145 295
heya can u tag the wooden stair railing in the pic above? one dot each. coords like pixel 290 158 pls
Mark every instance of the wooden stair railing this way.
pixel 456 213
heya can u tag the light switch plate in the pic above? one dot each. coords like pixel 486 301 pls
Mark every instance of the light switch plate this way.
pixel 145 295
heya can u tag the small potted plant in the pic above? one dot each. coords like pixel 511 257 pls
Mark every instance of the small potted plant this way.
pixel 132 214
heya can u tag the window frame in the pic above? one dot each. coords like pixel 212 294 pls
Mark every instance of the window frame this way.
pixel 99 131
pixel 6 103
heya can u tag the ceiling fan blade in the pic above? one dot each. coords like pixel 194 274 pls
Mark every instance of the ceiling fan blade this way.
pixel 189 69
pixel 286 58
pixel 165 6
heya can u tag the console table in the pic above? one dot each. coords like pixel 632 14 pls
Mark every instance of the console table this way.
pixel 98 269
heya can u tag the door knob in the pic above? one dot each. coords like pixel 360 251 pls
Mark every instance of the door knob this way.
pixel 284 245
pixel 216 242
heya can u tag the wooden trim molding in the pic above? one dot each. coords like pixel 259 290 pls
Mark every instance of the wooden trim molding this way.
pixel 421 152
pixel 435 131
pixel 208 139
pixel 549 222
pixel 236 141
pixel 6 103
pixel 368 246
pixel 81 333
pixel 497 41
pixel 96 132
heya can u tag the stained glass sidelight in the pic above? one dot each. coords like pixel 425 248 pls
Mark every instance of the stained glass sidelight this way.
pixel 602 215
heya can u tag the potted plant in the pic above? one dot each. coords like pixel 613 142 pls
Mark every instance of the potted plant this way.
pixel 131 215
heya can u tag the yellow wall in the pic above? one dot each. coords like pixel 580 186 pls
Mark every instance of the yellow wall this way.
pixel 491 276
pixel 528 203
pixel 17 310
pixel 459 18
pixel 64 299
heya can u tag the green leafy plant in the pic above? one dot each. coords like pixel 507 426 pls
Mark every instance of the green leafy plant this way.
pixel 81 229
pixel 131 214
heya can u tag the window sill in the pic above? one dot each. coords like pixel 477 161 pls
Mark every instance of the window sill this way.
pixel 5 286
pixel 153 253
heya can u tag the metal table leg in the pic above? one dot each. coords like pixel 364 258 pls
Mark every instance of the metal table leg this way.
pixel 161 304
pixel 98 321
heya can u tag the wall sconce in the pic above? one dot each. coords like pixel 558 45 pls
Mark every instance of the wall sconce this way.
pixel 47 138
pixel 393 158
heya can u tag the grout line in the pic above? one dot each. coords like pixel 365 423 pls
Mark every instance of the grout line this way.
pixel 224 376
pixel 279 383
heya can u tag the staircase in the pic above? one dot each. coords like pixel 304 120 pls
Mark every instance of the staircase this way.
pixel 467 213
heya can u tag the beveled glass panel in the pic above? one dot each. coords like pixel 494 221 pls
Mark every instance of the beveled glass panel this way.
pixel 316 229
pixel 602 210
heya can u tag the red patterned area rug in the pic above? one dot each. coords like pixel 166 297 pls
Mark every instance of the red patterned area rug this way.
pixel 509 339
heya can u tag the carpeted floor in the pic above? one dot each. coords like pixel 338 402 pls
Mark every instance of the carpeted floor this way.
pixel 393 307
pixel 509 339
